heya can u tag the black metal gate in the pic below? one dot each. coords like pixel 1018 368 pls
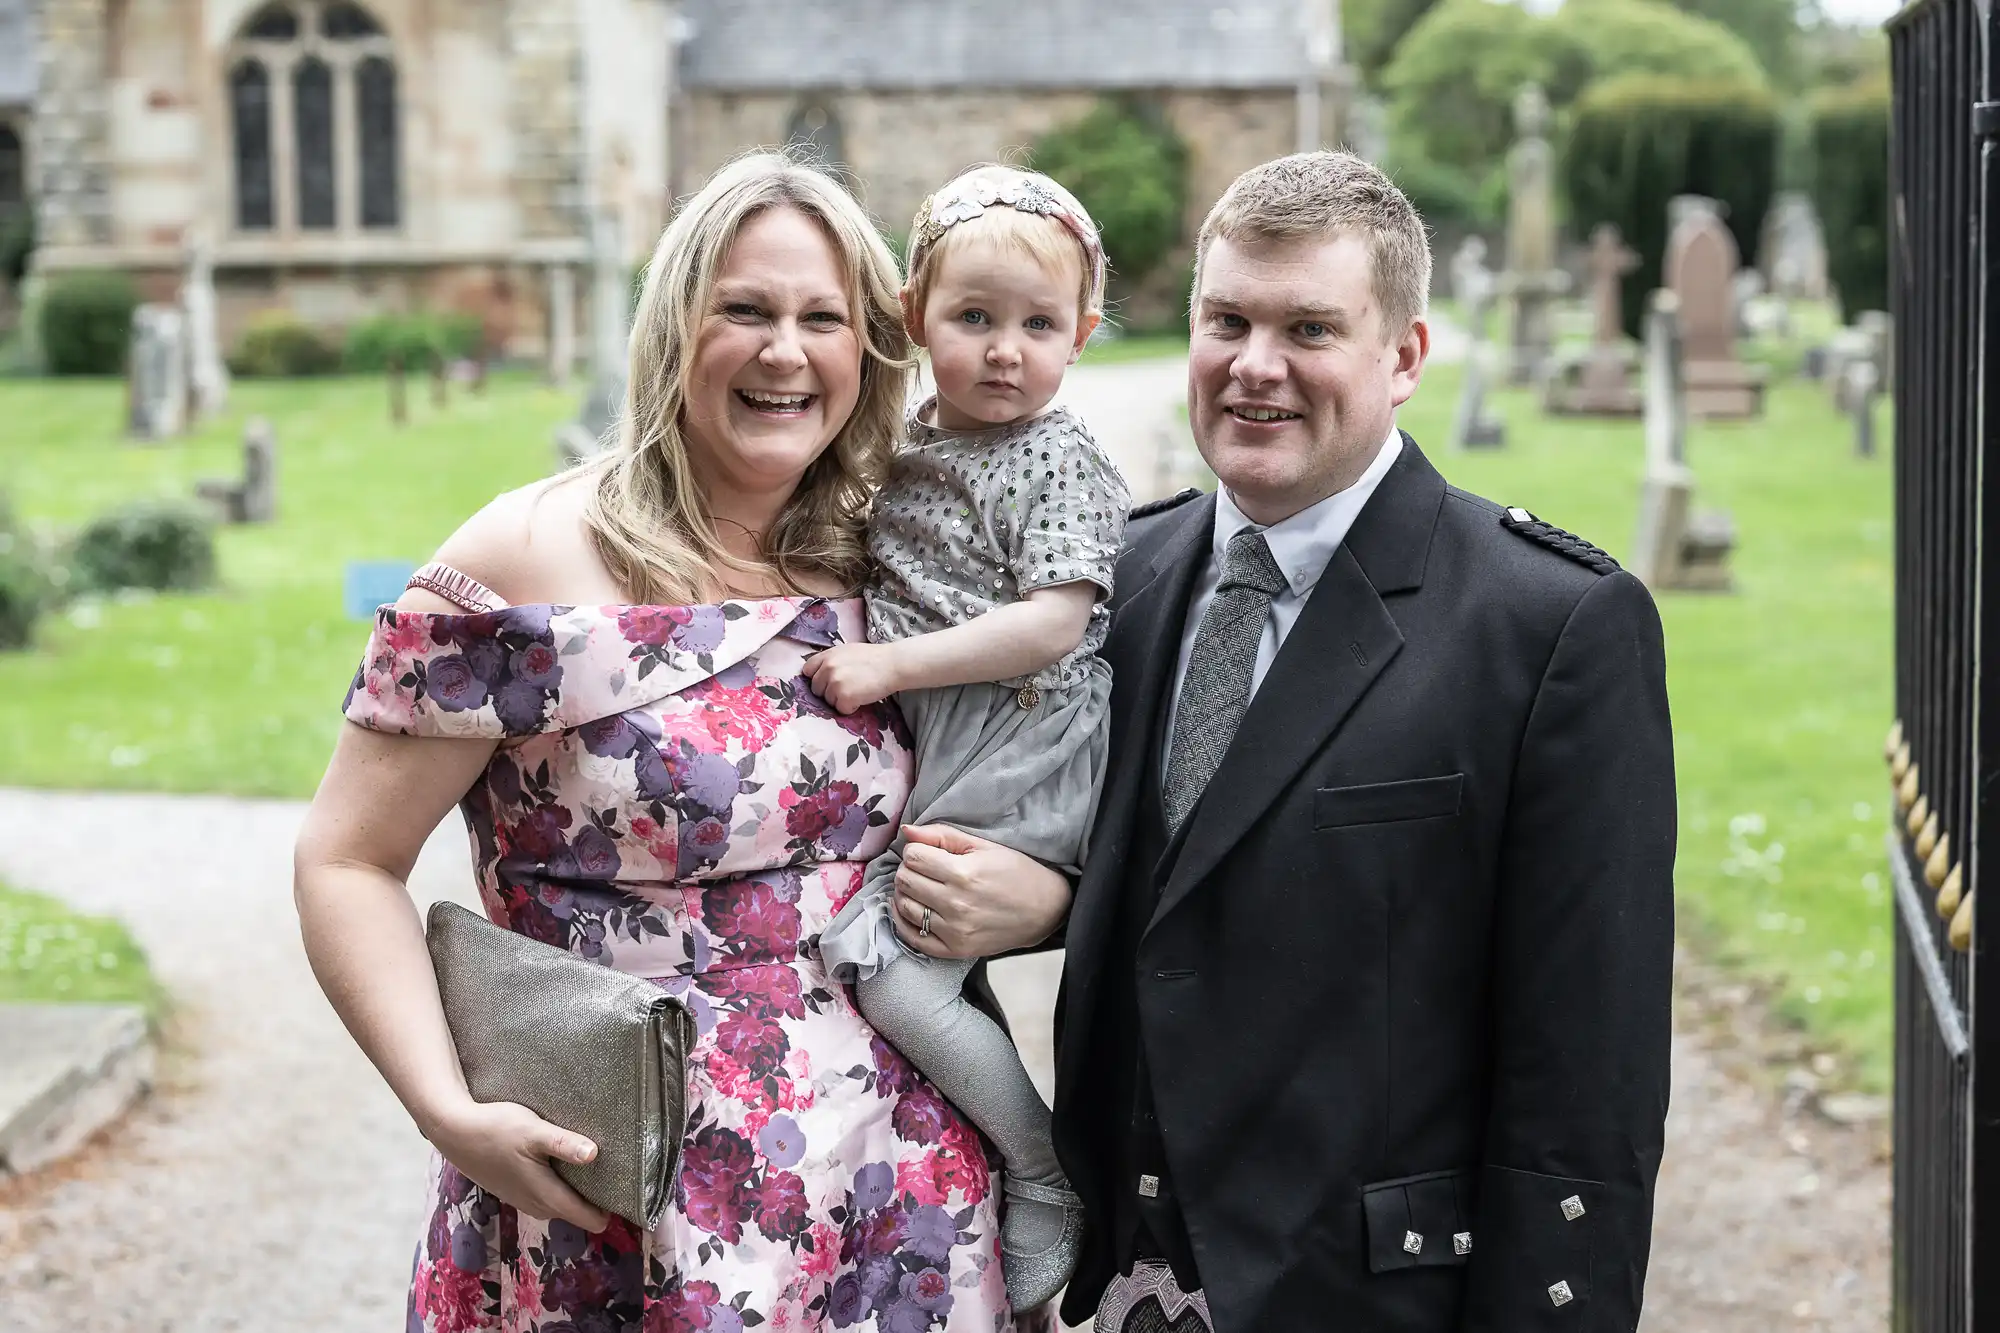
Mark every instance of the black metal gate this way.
pixel 1945 750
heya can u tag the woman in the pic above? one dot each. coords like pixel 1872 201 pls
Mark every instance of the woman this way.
pixel 603 672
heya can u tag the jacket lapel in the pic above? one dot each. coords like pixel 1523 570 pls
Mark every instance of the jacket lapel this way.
pixel 1343 639
pixel 1143 648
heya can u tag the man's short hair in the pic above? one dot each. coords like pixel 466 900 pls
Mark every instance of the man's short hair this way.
pixel 1322 195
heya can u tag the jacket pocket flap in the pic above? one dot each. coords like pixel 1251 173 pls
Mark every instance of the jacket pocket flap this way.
pixel 1382 802
pixel 1418 1221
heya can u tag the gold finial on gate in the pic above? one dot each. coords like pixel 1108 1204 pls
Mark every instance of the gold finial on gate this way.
pixel 1951 891
pixel 1939 863
pixel 1927 837
pixel 1895 741
pixel 1919 812
pixel 1899 762
pixel 1960 933
pixel 1906 793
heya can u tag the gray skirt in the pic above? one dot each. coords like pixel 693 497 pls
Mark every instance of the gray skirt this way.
pixel 1026 778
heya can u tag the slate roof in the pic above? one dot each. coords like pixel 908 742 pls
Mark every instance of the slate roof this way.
pixel 902 44
pixel 17 54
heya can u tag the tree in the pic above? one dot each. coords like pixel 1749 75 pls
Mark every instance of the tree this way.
pixel 1373 29
pixel 1453 81
pixel 1770 28
pixel 1620 37
pixel 1126 165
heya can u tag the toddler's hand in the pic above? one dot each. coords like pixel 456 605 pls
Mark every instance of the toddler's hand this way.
pixel 853 675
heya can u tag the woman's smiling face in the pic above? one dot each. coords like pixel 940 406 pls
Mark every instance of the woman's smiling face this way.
pixel 776 370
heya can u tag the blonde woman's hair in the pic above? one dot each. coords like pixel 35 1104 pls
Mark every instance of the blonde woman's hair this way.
pixel 1321 195
pixel 646 514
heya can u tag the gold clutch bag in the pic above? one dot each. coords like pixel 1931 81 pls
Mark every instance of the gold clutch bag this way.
pixel 591 1049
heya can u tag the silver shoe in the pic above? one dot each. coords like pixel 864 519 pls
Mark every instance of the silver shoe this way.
pixel 1034 1277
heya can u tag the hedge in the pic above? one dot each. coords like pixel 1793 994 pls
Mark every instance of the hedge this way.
pixel 1126 165
pixel 280 345
pixel 1850 189
pixel 1638 141
pixel 158 544
pixel 87 322
pixel 416 338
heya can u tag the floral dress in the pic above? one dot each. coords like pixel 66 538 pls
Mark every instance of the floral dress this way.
pixel 669 798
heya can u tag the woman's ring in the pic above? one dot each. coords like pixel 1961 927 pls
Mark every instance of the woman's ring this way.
pixel 924 930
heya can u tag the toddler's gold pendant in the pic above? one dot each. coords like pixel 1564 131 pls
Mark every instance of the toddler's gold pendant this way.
pixel 1029 698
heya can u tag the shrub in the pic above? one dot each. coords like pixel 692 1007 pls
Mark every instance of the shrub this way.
pixel 1448 196
pixel 26 590
pixel 279 345
pixel 416 338
pixel 1850 188
pixel 86 323
pixel 150 544
pixel 1638 141
pixel 17 242
pixel 1129 168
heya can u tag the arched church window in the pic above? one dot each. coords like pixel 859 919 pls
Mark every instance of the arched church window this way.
pixel 250 116
pixel 375 107
pixel 816 128
pixel 314 117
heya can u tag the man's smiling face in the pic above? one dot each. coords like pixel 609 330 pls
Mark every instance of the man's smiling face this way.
pixel 1293 382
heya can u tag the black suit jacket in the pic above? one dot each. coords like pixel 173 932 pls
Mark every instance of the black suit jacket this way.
pixel 1409 974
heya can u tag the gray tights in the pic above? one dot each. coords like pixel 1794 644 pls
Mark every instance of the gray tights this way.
pixel 918 1003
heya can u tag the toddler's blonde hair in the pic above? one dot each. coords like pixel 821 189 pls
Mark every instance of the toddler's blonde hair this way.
pixel 1044 240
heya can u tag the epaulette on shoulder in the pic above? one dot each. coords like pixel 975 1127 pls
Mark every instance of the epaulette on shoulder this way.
pixel 1562 543
pixel 1174 501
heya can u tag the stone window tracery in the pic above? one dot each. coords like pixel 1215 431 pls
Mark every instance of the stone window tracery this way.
pixel 315 123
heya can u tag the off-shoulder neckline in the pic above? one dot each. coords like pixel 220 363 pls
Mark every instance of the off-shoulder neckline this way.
pixel 803 599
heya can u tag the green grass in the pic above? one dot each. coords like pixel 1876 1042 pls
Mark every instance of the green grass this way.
pixel 238 689
pixel 49 954
pixel 1136 347
pixel 1781 691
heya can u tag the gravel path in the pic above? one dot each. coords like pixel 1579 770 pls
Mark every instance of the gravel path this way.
pixel 272 1182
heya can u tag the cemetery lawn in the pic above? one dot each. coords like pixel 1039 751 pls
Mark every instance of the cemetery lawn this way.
pixel 1781 691
pixel 52 955
pixel 238 689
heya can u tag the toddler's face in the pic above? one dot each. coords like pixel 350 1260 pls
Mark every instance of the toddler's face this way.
pixel 1001 330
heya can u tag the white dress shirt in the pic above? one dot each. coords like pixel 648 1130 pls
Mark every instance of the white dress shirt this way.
pixel 1301 545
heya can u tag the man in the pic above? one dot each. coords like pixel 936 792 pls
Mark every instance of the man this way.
pixel 1366 1005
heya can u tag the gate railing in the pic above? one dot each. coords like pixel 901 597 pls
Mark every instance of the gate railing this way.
pixel 1945 750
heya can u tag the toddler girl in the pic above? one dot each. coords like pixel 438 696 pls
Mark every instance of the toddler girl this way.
pixel 994 538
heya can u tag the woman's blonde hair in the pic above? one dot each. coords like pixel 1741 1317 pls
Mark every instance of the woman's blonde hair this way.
pixel 646 513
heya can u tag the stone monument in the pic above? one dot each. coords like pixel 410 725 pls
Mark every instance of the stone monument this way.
pixel 1863 387
pixel 1701 271
pixel 1532 280
pixel 1674 548
pixel 1793 249
pixel 1601 385
pixel 610 343
pixel 1472 283
pixel 156 378
pixel 208 377
pixel 254 498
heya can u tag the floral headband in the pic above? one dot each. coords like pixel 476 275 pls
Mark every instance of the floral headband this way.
pixel 1025 192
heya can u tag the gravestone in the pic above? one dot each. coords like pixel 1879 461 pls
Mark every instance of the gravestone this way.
pixel 208 377
pixel 1674 548
pixel 610 344
pixel 369 585
pixel 253 498
pixel 1532 280
pixel 156 377
pixel 1601 385
pixel 1868 339
pixel 562 324
pixel 1701 271
pixel 1793 248
pixel 1864 386
pixel 1474 427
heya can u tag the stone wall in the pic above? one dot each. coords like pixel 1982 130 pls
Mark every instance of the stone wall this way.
pixel 901 146
pixel 545 115
pixel 72 129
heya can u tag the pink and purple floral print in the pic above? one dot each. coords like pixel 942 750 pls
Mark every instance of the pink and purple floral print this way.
pixel 671 799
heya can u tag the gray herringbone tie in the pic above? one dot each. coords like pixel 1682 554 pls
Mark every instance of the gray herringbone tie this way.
pixel 1217 687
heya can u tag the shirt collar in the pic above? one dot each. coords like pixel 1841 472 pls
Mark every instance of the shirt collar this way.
pixel 1304 543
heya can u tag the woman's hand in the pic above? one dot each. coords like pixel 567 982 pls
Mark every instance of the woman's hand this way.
pixel 854 675
pixel 984 899
pixel 504 1148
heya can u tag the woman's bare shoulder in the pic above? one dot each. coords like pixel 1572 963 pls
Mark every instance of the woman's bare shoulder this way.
pixel 530 544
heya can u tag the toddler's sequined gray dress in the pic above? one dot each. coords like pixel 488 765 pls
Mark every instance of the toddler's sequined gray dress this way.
pixel 969 521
